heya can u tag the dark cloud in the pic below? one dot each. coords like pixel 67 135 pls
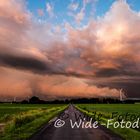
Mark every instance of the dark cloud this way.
pixel 25 63
pixel 108 72
pixel 129 84
pixel 131 89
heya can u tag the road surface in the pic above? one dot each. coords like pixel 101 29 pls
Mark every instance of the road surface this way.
pixel 66 132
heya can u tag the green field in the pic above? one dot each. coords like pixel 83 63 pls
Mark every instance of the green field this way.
pixel 20 121
pixel 119 111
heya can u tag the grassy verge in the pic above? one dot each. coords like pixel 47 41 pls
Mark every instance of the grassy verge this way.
pixel 7 111
pixel 126 133
pixel 24 124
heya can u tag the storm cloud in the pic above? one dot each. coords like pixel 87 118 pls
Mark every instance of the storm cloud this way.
pixel 84 60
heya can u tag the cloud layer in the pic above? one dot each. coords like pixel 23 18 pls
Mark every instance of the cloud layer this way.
pixel 95 60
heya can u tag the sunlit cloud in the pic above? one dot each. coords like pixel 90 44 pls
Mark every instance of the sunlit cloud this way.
pixel 49 9
pixel 40 12
pixel 73 6
pixel 95 60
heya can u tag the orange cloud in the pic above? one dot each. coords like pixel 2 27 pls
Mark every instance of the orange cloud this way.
pixel 45 60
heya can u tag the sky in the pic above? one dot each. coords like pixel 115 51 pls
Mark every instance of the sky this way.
pixel 58 49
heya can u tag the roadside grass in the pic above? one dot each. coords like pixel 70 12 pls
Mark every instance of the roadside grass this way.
pixel 7 111
pixel 106 110
pixel 25 123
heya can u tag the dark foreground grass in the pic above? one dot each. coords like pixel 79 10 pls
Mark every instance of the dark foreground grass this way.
pixel 107 109
pixel 26 121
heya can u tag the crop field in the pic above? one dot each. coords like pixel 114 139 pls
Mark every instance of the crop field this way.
pixel 116 112
pixel 20 121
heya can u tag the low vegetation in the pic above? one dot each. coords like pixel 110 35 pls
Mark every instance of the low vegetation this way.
pixel 21 121
pixel 121 110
